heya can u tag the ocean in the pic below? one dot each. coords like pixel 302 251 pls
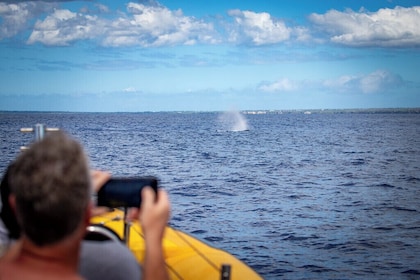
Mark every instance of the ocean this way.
pixel 326 195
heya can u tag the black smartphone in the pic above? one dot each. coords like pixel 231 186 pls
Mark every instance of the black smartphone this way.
pixel 125 192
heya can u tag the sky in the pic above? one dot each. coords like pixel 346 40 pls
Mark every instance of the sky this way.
pixel 183 55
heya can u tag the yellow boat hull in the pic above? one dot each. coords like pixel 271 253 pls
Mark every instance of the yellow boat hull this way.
pixel 186 257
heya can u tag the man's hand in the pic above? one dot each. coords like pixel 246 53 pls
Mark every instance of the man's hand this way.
pixel 154 212
pixel 153 216
pixel 99 178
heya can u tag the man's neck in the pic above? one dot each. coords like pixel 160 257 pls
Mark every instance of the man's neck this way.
pixel 58 260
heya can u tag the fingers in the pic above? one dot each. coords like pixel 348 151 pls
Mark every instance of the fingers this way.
pixel 148 197
pixel 99 178
pixel 154 213
pixel 163 200
pixel 96 211
pixel 132 214
pixel 150 203
pixel 159 200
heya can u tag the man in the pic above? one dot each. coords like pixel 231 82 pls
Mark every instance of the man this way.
pixel 109 259
pixel 50 194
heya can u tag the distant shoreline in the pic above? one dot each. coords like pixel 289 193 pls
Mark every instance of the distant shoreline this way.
pixel 415 110
pixel 335 111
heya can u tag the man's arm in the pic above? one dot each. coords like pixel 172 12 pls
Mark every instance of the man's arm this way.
pixel 153 217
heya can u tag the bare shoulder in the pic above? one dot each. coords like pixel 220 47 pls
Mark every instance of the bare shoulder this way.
pixel 11 271
pixel 7 270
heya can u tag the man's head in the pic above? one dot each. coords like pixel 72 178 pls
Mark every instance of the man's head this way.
pixel 50 183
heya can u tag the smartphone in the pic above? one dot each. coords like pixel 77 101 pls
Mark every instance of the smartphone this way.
pixel 125 191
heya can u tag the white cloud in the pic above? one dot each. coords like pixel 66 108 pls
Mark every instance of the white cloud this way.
pixel 63 27
pixel 157 26
pixel 130 89
pixel 151 25
pixel 385 28
pixel 15 18
pixel 375 82
pixel 257 28
pixel 380 80
pixel 142 25
pixel 346 83
pixel 281 85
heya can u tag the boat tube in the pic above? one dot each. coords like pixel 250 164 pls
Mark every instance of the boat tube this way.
pixel 186 257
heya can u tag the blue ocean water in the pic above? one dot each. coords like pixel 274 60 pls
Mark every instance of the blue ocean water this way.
pixel 296 196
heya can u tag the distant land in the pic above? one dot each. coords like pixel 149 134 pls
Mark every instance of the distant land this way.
pixel 253 112
pixel 334 111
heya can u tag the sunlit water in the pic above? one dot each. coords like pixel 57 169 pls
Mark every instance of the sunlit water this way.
pixel 320 196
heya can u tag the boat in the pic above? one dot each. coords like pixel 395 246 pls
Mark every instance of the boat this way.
pixel 186 257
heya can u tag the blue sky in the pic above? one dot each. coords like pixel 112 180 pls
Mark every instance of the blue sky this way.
pixel 208 56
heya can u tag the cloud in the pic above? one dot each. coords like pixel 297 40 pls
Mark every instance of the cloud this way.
pixel 64 27
pixel 380 80
pixel 257 28
pixel 281 85
pixel 130 89
pixel 375 82
pixel 398 27
pixel 145 26
pixel 16 17
pixel 151 26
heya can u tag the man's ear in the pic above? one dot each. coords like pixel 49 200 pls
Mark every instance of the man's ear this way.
pixel 88 213
pixel 12 203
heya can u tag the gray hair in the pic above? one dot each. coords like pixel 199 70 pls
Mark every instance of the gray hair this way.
pixel 51 183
